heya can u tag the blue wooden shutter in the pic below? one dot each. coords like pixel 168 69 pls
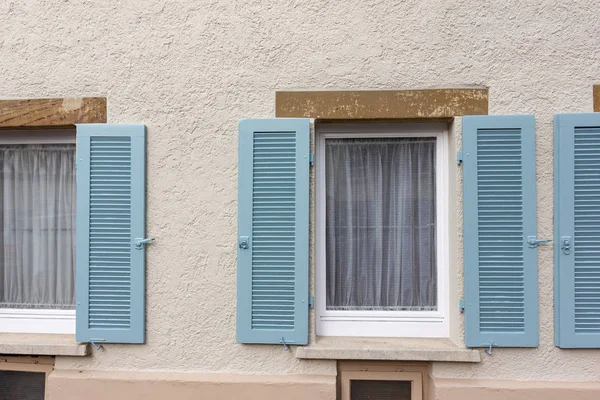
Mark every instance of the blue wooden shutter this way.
pixel 272 303
pixel 110 220
pixel 501 301
pixel 577 230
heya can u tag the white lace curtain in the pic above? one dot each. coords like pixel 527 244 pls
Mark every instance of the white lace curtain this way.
pixel 37 226
pixel 380 224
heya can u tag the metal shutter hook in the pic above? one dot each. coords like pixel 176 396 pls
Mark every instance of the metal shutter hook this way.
pixel 140 243
pixel 533 241
pixel 285 346
pixel 489 350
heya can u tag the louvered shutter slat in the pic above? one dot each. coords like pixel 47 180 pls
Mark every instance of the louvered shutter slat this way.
pixel 110 217
pixel 577 209
pixel 273 222
pixel 499 215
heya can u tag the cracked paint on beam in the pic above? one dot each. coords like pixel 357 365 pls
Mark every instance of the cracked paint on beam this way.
pixel 381 104
pixel 52 112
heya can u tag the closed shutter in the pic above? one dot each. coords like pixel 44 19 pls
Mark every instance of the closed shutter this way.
pixel 577 230
pixel 272 304
pixel 501 307
pixel 110 222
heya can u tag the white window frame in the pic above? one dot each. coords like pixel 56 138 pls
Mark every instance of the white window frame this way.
pixel 423 324
pixel 29 320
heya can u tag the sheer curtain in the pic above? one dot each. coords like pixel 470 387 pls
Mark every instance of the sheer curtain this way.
pixel 380 224
pixel 37 226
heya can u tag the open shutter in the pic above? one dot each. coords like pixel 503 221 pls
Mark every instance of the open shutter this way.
pixel 577 230
pixel 272 303
pixel 501 301
pixel 110 223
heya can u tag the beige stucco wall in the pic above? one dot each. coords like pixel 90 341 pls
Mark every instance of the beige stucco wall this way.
pixel 190 69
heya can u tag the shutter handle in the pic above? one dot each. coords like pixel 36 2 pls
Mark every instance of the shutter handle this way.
pixel 533 241
pixel 565 244
pixel 244 242
pixel 140 243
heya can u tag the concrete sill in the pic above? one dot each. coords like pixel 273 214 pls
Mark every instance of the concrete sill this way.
pixel 40 344
pixel 397 349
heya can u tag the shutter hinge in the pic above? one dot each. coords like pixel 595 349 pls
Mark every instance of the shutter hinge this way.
pixel 311 159
pixel 459 158
pixel 311 301
pixel 461 305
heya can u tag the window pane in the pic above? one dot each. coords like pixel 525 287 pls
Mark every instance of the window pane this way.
pixel 380 224
pixel 37 226
pixel 380 390
pixel 17 385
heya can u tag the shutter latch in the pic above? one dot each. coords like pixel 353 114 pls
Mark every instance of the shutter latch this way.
pixel 532 241
pixel 244 243
pixel 140 243
pixel 459 158
pixel 565 244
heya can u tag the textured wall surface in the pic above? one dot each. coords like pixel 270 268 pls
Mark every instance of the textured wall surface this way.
pixel 190 69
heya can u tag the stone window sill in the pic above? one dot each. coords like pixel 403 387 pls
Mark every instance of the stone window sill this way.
pixel 396 349
pixel 42 345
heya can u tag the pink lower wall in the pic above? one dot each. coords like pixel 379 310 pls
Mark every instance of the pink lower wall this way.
pixel 462 389
pixel 89 385
pixel 101 385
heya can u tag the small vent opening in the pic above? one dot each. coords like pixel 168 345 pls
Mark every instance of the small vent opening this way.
pixel 19 385
pixel 380 390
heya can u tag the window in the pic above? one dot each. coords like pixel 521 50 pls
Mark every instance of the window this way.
pixel 109 257
pixel 382 263
pixel 37 231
